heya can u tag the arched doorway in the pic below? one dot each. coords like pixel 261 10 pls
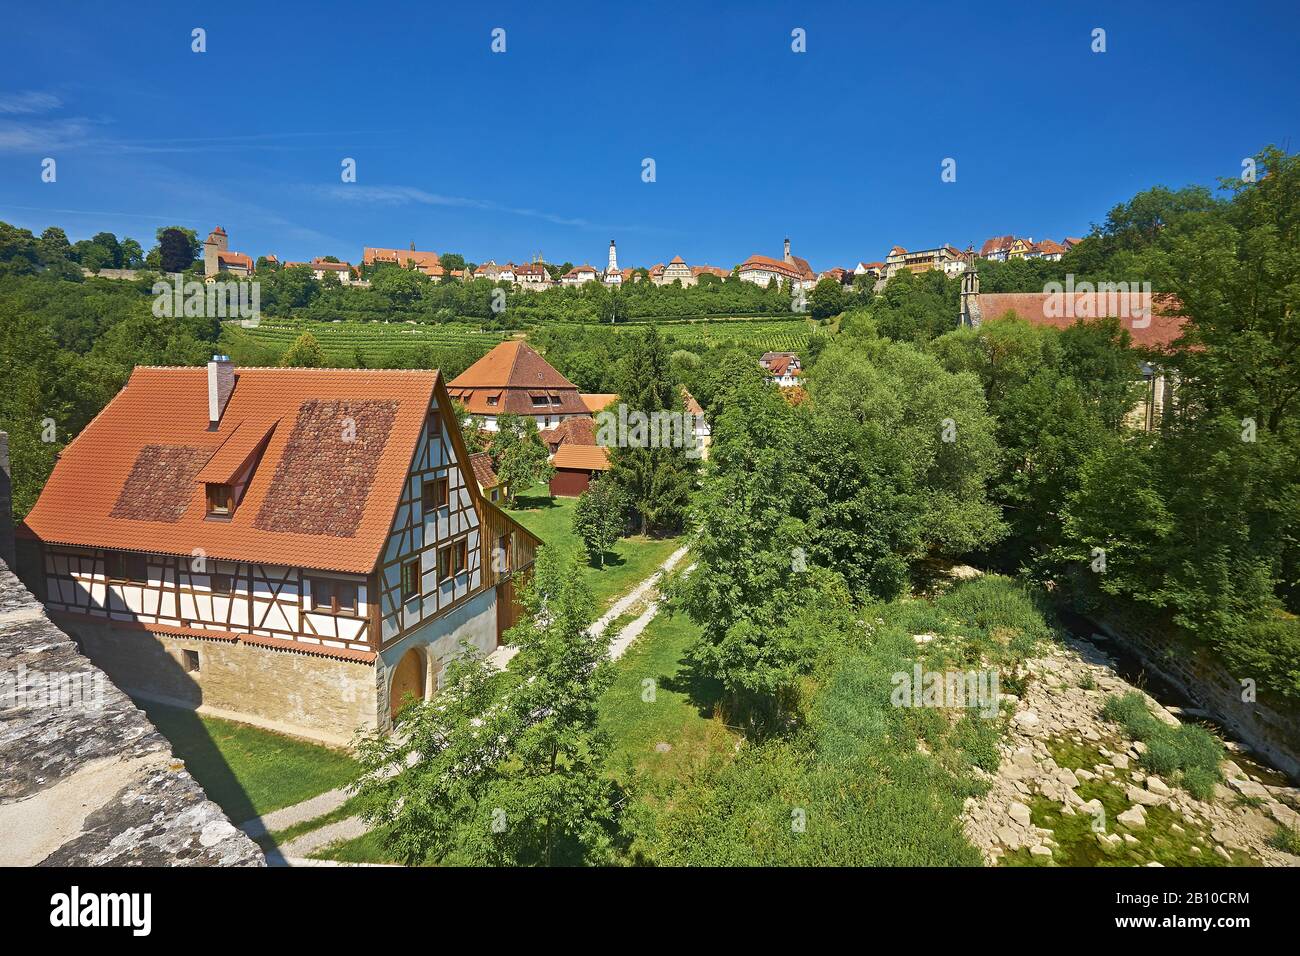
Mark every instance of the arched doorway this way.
pixel 408 680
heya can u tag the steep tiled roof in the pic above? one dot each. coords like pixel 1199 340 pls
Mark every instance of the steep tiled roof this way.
pixel 1154 331
pixel 582 457
pixel 767 264
pixel 481 464
pixel 996 244
pixel 427 262
pixel 322 496
pixel 575 431
pixel 234 258
pixel 512 373
pixel 598 401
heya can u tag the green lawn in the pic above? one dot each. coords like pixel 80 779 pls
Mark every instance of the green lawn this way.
pixel 248 771
pixel 632 561
pixel 681 713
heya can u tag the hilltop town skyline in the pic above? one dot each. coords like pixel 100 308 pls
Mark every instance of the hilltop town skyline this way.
pixel 540 148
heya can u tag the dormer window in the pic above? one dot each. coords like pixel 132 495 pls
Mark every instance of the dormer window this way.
pixel 220 501
pixel 492 400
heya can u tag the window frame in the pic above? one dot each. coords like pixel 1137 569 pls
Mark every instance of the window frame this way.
pixel 329 589
pixel 229 590
pixel 211 508
pixel 124 562
pixel 410 569
pixel 442 485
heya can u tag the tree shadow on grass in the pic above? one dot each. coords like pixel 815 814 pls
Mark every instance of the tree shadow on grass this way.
pixel 524 502
pixel 703 690
pixel 612 560
pixel 192 743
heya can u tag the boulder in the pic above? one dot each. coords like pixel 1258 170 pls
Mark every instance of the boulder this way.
pixel 1019 813
pixel 1134 817
pixel 1143 797
pixel 1156 785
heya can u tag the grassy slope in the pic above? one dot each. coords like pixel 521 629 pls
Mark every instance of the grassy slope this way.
pixel 632 561
pixel 248 771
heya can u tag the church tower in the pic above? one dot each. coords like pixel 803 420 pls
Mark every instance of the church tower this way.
pixel 613 259
pixel 970 292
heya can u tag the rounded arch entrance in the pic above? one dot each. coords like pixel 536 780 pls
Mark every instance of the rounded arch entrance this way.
pixel 408 680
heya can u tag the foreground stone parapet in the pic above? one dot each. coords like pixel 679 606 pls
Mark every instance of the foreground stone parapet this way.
pixel 85 778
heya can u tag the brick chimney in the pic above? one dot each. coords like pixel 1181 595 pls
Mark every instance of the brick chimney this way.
pixel 221 382
pixel 6 505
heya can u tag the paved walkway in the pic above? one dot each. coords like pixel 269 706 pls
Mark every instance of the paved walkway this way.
pixel 293 852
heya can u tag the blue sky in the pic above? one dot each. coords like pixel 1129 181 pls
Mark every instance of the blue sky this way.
pixel 540 148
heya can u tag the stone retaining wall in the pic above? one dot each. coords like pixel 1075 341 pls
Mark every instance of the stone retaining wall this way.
pixel 85 778
pixel 1202 677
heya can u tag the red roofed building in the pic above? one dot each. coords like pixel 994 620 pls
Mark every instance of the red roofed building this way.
pixel 1153 322
pixel 218 258
pixel 579 275
pixel 514 379
pixel 296 548
pixel 426 262
pixel 790 270
pixel 997 248
pixel 576 466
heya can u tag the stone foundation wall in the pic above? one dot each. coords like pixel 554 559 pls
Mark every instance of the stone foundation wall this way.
pixel 1202 677
pixel 318 698
pixel 475 622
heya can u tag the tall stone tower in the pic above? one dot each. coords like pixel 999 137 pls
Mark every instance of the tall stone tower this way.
pixel 216 242
pixel 613 259
pixel 789 260
pixel 970 293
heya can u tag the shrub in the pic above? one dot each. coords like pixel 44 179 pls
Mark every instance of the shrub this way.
pixel 1286 839
pixel 1187 749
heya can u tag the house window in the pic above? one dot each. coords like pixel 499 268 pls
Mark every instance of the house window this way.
pixel 220 502
pixel 434 494
pixel 223 584
pixel 459 556
pixel 190 661
pixel 329 596
pixel 539 400
pixel 496 494
pixel 492 400
pixel 120 566
pixel 444 563
pixel 503 554
pixel 433 427
pixel 410 579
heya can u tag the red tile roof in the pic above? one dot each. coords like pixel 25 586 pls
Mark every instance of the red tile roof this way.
pixel 235 258
pixel 571 431
pixel 1155 330
pixel 481 464
pixel 511 373
pixel 582 457
pixel 427 262
pixel 598 401
pixel 996 244
pixel 314 500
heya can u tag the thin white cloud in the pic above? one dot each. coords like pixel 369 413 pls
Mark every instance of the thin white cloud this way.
pixel 29 102
pixel 26 136
pixel 411 195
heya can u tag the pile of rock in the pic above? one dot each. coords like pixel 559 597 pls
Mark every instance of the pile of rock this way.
pixel 1066 691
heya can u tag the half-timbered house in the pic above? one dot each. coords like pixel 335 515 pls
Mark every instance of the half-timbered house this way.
pixel 302 549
